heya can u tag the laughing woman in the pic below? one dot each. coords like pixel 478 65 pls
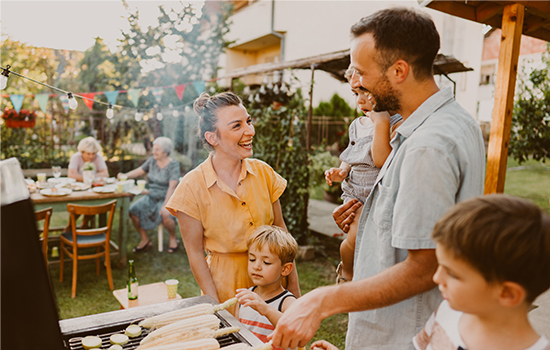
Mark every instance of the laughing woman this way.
pixel 221 202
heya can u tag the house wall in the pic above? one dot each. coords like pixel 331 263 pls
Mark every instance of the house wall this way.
pixel 531 50
pixel 318 27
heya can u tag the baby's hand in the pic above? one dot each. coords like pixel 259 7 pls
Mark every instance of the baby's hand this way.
pixel 335 175
pixel 322 345
pixel 380 117
pixel 251 299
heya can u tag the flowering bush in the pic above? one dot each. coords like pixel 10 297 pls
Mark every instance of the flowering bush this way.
pixel 23 115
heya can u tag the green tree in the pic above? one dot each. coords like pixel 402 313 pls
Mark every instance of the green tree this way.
pixel 530 124
pixel 280 141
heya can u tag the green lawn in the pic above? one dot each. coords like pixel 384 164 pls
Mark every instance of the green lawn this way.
pixel 530 181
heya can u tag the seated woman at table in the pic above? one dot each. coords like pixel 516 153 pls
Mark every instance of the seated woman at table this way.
pixel 162 176
pixel 222 201
pixel 88 149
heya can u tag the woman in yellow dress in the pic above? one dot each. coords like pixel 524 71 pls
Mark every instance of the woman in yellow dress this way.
pixel 222 201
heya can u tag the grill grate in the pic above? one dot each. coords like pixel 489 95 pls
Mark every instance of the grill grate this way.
pixel 75 343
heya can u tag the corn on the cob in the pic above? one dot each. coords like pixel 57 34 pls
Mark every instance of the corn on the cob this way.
pixel 188 312
pixel 184 327
pixel 199 344
pixel 184 337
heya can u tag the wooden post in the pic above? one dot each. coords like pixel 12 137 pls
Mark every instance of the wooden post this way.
pixel 511 32
pixel 309 126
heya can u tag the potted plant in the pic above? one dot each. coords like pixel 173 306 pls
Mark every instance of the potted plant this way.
pixel 23 119
pixel 319 163
pixel 88 173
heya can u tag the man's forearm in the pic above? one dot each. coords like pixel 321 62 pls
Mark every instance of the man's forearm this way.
pixel 397 283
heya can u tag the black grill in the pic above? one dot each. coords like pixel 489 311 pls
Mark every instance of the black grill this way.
pixel 74 343
pixel 107 324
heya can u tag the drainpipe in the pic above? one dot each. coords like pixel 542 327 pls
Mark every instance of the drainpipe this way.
pixel 280 36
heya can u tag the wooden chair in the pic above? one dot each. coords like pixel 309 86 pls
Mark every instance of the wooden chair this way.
pixel 44 215
pixel 87 238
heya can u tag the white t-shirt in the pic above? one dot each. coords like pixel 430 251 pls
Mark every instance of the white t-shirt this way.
pixel 77 162
pixel 441 332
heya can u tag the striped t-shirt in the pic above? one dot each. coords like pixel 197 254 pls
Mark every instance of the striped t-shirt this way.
pixel 257 323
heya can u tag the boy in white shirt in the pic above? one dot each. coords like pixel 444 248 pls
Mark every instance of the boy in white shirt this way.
pixel 493 256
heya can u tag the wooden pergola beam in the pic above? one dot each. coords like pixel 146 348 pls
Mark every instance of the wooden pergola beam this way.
pixel 511 32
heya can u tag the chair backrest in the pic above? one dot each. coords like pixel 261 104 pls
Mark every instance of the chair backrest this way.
pixel 76 210
pixel 44 215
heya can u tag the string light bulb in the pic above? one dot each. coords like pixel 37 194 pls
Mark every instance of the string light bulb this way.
pixel 138 116
pixel 159 116
pixel 73 103
pixel 4 77
pixel 175 113
pixel 110 113
pixel 187 109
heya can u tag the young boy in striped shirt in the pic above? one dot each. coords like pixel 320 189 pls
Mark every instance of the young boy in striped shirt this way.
pixel 272 252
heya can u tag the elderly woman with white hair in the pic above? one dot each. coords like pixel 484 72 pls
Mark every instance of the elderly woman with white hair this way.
pixel 162 177
pixel 88 151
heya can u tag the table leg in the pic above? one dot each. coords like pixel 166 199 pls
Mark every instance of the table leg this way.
pixel 123 231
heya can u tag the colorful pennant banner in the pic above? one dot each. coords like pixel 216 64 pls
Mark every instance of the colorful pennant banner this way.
pixel 42 101
pixel 17 101
pixel 90 101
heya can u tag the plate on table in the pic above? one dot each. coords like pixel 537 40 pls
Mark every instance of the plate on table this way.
pixel 135 191
pixel 104 189
pixel 55 192
pixel 65 180
pixel 77 186
pixel 111 180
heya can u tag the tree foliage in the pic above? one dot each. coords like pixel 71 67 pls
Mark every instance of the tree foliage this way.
pixel 280 141
pixel 530 124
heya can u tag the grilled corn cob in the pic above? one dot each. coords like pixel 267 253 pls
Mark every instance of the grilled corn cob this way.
pixel 188 326
pixel 188 312
pixel 202 333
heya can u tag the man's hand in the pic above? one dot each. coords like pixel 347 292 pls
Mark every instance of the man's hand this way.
pixel 345 214
pixel 335 175
pixel 299 322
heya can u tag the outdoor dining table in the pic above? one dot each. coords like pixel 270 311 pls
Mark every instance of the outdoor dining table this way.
pixel 89 197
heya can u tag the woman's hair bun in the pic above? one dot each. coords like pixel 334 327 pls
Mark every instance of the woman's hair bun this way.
pixel 200 103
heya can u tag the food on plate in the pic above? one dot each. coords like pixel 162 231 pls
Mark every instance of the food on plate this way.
pixel 133 330
pixel 91 342
pixel 119 339
pixel 78 186
pixel 188 312
pixel 115 347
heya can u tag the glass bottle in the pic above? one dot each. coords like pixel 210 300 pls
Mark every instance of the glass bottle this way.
pixel 132 282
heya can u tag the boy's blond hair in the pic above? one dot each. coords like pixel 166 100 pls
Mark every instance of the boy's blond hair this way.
pixel 280 243
pixel 503 237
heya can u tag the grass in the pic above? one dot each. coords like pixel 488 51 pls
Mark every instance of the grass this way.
pixel 529 181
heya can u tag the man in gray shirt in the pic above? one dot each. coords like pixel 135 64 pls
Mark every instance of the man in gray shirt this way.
pixel 437 160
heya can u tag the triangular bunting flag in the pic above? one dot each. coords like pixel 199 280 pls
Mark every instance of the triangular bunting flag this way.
pixel 64 102
pixel 90 99
pixel 17 101
pixel 42 101
pixel 134 96
pixel 112 96
pixel 180 90
pixel 158 94
pixel 199 87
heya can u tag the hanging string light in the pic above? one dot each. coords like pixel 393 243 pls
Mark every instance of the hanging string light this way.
pixel 4 77
pixel 159 116
pixel 138 116
pixel 73 103
pixel 109 114
pixel 175 113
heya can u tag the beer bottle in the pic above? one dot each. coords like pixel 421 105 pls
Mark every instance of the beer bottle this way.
pixel 132 281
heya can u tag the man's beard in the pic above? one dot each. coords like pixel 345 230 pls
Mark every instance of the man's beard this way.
pixel 386 98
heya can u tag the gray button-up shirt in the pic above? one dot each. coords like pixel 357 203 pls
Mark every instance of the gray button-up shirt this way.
pixel 437 160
